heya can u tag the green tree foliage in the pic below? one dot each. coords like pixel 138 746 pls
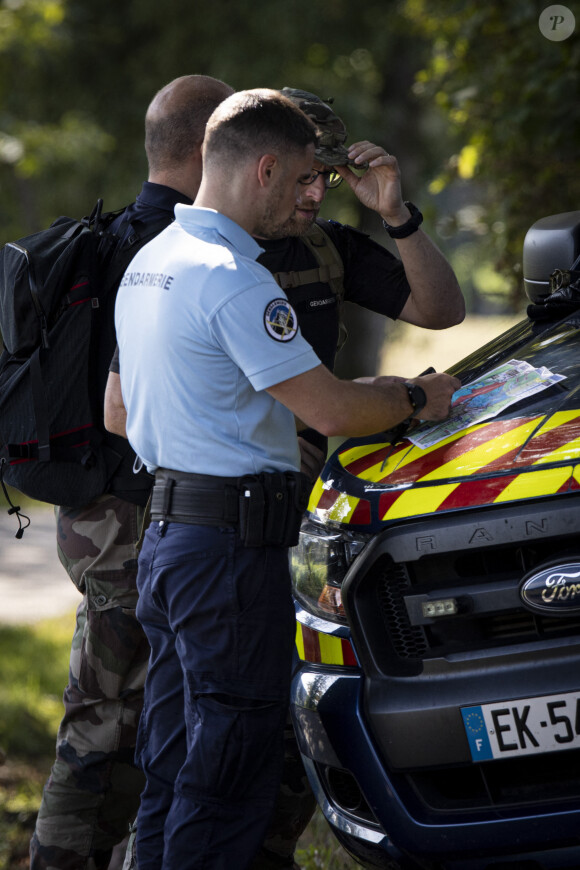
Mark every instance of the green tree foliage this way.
pixel 461 91
pixel 46 142
pixel 511 99
pixel 76 78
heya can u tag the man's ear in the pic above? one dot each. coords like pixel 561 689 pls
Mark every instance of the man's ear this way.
pixel 267 167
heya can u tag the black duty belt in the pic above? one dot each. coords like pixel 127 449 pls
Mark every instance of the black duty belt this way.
pixel 181 497
pixel 266 508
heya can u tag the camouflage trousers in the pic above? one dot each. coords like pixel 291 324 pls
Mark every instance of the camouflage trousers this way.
pixel 93 791
pixel 295 805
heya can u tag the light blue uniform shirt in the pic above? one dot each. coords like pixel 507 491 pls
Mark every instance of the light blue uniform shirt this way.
pixel 203 330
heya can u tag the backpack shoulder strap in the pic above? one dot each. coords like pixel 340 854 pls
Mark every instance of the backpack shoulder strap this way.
pixel 130 236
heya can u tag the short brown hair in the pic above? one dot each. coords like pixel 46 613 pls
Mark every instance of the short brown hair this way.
pixel 256 121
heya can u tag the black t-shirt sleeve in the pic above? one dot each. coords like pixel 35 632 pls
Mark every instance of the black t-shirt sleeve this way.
pixel 114 366
pixel 374 278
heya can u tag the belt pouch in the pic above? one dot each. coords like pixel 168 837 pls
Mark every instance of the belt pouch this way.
pixel 252 507
pixel 299 487
pixel 277 497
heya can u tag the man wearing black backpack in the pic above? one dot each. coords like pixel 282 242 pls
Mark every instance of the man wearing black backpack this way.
pixel 93 791
pixel 95 788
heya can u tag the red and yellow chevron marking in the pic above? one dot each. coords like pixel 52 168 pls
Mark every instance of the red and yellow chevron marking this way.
pixel 500 455
pixel 315 646
pixel 339 506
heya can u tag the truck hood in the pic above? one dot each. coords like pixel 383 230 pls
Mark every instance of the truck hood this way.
pixel 368 483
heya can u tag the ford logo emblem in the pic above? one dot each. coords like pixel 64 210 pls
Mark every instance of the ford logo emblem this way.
pixel 554 590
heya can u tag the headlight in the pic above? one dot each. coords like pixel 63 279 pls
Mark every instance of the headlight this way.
pixel 319 563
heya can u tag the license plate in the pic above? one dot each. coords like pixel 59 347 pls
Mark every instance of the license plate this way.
pixel 523 727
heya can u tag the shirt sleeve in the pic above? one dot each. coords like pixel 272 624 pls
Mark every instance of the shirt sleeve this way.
pixel 374 278
pixel 114 366
pixel 269 348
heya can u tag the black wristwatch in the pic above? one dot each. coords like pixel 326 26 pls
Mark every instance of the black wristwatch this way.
pixel 409 227
pixel 417 397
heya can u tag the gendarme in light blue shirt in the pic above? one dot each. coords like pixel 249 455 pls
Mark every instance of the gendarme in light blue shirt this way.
pixel 203 330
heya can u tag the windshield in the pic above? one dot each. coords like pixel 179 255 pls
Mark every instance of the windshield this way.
pixel 556 347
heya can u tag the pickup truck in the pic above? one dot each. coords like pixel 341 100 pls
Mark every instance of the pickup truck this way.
pixel 437 585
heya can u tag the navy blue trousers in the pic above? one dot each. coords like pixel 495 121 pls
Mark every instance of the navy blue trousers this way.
pixel 220 622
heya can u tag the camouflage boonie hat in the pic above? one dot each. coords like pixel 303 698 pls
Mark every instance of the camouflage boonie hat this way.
pixel 330 150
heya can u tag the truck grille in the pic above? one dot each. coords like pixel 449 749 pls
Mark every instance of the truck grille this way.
pixel 480 563
pixel 409 642
pixel 500 784
pixel 381 606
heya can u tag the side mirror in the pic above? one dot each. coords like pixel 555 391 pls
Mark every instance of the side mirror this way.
pixel 552 244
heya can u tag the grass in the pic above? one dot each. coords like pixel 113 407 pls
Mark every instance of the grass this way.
pixel 33 672
pixel 318 848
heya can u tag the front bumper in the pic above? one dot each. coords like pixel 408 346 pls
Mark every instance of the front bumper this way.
pixel 378 811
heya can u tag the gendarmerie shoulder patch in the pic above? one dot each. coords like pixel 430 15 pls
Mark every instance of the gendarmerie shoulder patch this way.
pixel 280 320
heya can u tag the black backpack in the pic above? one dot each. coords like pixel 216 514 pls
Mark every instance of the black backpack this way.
pixel 57 295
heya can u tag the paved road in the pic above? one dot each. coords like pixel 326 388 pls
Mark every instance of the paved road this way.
pixel 33 583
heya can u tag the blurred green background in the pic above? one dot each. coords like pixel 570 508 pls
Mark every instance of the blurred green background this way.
pixel 480 108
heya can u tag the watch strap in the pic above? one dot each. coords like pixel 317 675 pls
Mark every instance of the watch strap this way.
pixel 409 227
pixel 417 397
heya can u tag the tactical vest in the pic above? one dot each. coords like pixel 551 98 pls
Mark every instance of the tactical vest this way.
pixel 329 271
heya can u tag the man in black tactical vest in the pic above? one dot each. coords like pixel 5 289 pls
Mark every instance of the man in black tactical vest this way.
pixel 94 788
